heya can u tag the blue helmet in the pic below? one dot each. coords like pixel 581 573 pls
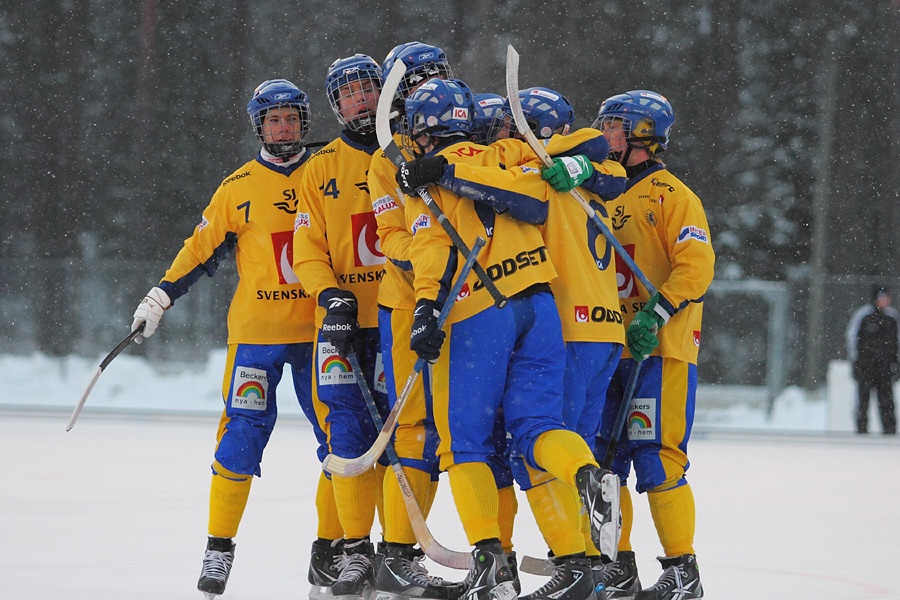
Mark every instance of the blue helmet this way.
pixel 486 106
pixel 546 111
pixel 646 117
pixel 278 93
pixel 422 61
pixel 439 108
pixel 355 110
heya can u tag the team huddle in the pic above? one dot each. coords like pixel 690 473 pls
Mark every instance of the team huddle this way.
pixel 353 270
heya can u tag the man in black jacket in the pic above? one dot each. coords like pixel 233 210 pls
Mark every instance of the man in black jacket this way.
pixel 872 346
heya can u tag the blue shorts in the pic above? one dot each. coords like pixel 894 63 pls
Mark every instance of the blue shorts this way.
pixel 252 374
pixel 348 423
pixel 511 358
pixel 659 422
pixel 589 369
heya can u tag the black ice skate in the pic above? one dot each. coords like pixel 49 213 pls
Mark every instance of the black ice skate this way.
pixel 513 563
pixel 324 567
pixel 401 575
pixel 357 570
pixel 599 491
pixel 680 580
pixel 617 579
pixel 216 566
pixel 490 577
pixel 571 580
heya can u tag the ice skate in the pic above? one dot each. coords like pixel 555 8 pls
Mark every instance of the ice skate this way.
pixel 401 575
pixel 680 580
pixel 490 577
pixel 216 566
pixel 324 567
pixel 356 569
pixel 571 580
pixel 599 491
pixel 618 578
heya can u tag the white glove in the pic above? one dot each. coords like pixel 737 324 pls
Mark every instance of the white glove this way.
pixel 150 311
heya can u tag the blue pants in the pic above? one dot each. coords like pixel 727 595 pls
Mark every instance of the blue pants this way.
pixel 658 425
pixel 589 369
pixel 511 359
pixel 348 422
pixel 252 374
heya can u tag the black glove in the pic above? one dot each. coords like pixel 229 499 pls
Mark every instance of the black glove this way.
pixel 420 172
pixel 340 325
pixel 426 339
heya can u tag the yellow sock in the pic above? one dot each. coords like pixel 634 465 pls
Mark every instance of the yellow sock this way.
pixel 562 453
pixel 329 523
pixel 477 501
pixel 506 516
pixel 380 475
pixel 674 516
pixel 355 501
pixel 398 528
pixel 557 511
pixel 627 508
pixel 228 495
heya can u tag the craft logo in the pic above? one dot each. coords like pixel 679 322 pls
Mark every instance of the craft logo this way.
pixel 460 113
pixel 421 222
pixel 366 244
pixel 464 292
pixel 203 223
pixel 302 220
pixel 581 314
pixel 380 379
pixel 624 277
pixel 283 245
pixel 250 388
pixel 689 232
pixel 642 419
pixel 333 369
pixel 697 338
pixel 383 204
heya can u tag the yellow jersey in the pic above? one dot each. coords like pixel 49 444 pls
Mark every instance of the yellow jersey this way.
pixel 252 212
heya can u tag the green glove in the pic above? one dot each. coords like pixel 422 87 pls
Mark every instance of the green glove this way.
pixel 641 334
pixel 568 172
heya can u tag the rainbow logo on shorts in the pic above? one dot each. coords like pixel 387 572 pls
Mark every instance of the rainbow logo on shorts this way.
pixel 639 420
pixel 381 377
pixel 335 362
pixel 251 388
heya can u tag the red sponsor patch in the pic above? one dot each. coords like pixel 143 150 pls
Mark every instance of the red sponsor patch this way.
pixel 697 338
pixel 581 314
pixel 366 245
pixel 625 279
pixel 283 246
pixel 464 292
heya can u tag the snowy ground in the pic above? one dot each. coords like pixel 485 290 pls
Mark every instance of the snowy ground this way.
pixel 117 507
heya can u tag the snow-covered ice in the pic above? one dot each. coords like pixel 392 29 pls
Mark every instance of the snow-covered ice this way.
pixel 118 506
